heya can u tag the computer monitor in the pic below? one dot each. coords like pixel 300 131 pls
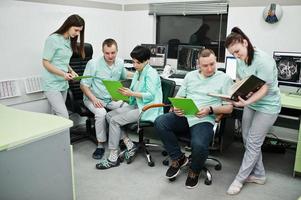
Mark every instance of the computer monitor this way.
pixel 158 55
pixel 230 66
pixel 289 68
pixel 188 57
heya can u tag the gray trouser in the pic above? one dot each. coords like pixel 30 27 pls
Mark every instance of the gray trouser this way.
pixel 118 118
pixel 100 117
pixel 57 101
pixel 255 126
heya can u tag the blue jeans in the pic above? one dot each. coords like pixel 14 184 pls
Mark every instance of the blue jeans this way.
pixel 169 125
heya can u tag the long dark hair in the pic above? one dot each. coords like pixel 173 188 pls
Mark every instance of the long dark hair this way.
pixel 236 36
pixel 74 20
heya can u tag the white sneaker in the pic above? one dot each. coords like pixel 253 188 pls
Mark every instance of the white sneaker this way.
pixel 234 188
pixel 254 179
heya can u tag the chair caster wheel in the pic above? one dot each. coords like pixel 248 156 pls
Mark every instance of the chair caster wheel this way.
pixel 207 181
pixel 172 179
pixel 218 167
pixel 164 153
pixel 151 164
pixel 165 162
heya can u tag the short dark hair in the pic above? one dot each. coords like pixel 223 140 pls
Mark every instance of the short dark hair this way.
pixel 109 42
pixel 205 53
pixel 237 36
pixel 141 53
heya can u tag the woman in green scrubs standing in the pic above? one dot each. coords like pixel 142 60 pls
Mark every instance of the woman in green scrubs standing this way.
pixel 58 49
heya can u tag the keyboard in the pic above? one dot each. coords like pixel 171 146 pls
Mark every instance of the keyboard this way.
pixel 177 76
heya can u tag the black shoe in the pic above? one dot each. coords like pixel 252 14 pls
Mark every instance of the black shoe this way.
pixel 174 169
pixel 192 179
pixel 129 155
pixel 98 153
pixel 106 164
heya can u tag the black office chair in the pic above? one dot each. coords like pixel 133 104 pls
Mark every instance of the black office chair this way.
pixel 168 88
pixel 74 100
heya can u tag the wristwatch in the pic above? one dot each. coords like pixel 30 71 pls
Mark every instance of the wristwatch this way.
pixel 211 110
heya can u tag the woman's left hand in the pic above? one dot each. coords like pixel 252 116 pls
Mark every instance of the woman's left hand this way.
pixel 240 103
pixel 125 91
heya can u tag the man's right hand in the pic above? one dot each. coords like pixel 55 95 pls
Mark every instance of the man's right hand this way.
pixel 96 102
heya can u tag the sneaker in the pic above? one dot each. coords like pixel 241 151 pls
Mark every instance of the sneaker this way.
pixel 254 179
pixel 192 179
pixel 129 155
pixel 98 153
pixel 234 188
pixel 106 164
pixel 175 167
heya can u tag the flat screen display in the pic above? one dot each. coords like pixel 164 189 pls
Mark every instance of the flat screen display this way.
pixel 188 57
pixel 289 68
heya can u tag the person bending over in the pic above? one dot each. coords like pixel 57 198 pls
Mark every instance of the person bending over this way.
pixel 260 110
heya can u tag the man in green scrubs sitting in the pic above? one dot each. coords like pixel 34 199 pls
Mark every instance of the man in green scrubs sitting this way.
pixel 196 85
pixel 96 97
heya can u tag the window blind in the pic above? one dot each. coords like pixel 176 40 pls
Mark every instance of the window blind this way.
pixel 189 8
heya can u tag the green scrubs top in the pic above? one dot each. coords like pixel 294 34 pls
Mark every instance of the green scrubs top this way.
pixel 99 68
pixel 58 51
pixel 148 83
pixel 265 68
pixel 196 87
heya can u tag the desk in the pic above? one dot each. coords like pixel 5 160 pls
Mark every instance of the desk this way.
pixel 294 102
pixel 35 156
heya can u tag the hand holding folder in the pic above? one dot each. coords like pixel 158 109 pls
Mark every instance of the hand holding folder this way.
pixel 113 88
pixel 187 105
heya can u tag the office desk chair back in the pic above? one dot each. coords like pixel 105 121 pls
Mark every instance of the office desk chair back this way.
pixel 168 88
pixel 74 100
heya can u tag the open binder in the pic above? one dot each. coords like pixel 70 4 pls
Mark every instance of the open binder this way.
pixel 242 88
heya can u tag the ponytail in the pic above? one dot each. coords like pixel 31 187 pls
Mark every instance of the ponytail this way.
pixel 237 36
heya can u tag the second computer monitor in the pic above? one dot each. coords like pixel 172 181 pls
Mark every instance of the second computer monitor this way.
pixel 158 55
pixel 187 57
pixel 289 68
pixel 230 66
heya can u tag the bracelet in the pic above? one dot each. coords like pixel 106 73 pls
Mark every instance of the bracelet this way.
pixel 211 110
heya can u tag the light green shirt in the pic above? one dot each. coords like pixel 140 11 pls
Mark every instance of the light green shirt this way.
pixel 58 51
pixel 265 68
pixel 99 68
pixel 196 87
pixel 148 83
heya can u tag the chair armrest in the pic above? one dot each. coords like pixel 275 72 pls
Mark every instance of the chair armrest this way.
pixel 154 105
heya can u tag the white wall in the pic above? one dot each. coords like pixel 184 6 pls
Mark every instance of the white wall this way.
pixel 284 35
pixel 26 25
pixel 139 28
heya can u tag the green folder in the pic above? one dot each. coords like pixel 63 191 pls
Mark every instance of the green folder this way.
pixel 112 87
pixel 187 105
pixel 78 78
